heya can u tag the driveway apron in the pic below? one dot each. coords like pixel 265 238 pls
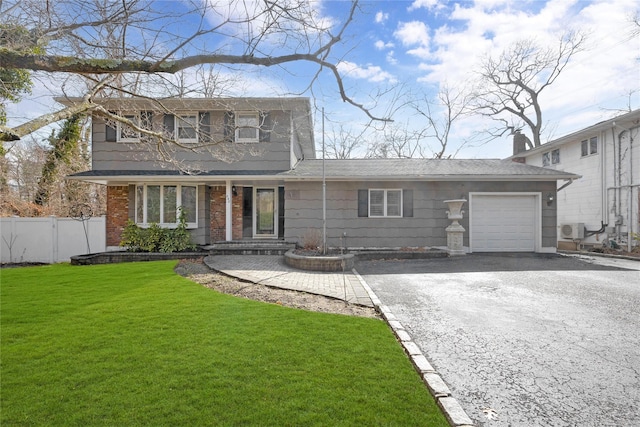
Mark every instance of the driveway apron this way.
pixel 524 339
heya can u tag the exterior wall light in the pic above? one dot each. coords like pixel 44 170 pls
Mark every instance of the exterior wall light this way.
pixel 550 197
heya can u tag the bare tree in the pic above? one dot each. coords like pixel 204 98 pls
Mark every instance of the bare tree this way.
pixel 343 142
pixel 398 142
pixel 427 133
pixel 511 84
pixel 125 48
pixel 452 104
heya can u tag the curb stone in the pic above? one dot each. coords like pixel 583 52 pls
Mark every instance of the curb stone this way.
pixel 454 413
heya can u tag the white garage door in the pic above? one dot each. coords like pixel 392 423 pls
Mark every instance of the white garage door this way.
pixel 503 223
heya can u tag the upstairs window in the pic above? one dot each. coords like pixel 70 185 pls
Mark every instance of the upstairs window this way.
pixel 121 132
pixel 589 146
pixel 159 204
pixel 247 127
pixel 127 133
pixel 187 128
pixel 551 157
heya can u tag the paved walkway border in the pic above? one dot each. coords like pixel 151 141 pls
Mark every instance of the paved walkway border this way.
pixel 450 406
pixel 270 270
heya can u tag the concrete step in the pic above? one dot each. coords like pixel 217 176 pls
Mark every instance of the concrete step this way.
pixel 250 247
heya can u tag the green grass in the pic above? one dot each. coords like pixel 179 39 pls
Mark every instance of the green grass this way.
pixel 136 344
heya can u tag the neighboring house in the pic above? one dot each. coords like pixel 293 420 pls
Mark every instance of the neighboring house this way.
pixel 273 187
pixel 603 205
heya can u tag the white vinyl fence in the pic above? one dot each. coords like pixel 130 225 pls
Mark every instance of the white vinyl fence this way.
pixel 50 239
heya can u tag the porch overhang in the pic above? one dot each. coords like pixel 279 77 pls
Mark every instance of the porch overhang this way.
pixel 122 177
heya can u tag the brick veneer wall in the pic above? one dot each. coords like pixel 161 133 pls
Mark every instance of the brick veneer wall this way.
pixel 218 214
pixel 117 213
pixel 236 214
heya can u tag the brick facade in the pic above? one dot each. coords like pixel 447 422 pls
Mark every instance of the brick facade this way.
pixel 236 214
pixel 218 214
pixel 117 213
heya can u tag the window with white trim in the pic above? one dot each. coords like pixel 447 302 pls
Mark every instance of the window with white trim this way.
pixel 187 127
pixel 126 133
pixel 551 157
pixel 589 146
pixel 247 127
pixel 385 203
pixel 160 204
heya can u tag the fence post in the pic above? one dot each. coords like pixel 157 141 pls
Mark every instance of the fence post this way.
pixel 54 240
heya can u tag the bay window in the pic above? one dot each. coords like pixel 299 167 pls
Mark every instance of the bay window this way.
pixel 160 204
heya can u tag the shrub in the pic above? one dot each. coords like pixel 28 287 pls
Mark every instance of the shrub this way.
pixel 311 240
pixel 157 239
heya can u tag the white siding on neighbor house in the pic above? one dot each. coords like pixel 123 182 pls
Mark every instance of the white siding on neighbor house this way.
pixel 593 199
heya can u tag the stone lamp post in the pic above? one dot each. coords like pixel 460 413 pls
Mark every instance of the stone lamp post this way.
pixel 455 231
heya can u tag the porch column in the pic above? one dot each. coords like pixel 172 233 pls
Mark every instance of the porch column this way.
pixel 228 210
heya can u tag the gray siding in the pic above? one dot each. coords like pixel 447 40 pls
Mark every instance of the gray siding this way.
pixel 303 211
pixel 272 155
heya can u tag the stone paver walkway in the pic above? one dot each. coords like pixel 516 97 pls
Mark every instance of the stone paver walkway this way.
pixel 271 270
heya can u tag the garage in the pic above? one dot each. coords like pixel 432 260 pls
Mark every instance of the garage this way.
pixel 502 222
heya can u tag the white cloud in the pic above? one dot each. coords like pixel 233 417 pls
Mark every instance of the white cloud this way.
pixel 371 73
pixel 381 17
pixel 391 59
pixel 427 4
pixel 412 33
pixel 598 78
pixel 380 45
pixel 246 19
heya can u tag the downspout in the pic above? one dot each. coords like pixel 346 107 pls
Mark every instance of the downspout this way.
pixel 630 186
pixel 619 189
pixel 615 183
pixel 604 195
pixel 566 184
pixel 630 193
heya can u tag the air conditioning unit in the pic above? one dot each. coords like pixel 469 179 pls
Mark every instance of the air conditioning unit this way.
pixel 572 231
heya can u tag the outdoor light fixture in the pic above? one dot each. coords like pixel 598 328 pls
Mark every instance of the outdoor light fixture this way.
pixel 233 190
pixel 550 198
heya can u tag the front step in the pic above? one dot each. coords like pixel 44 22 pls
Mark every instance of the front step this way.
pixel 250 247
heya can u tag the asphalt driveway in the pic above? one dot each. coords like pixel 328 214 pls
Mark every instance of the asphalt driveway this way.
pixel 524 339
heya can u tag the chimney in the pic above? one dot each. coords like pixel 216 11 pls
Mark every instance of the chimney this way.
pixel 519 142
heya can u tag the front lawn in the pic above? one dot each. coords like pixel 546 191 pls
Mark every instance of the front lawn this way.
pixel 136 344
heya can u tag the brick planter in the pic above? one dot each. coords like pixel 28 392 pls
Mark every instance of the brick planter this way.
pixel 319 262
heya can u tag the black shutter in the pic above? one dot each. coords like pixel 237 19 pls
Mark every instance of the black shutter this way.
pixel 169 125
pixel 407 203
pixel 110 133
pixel 204 127
pixel 229 127
pixel 363 203
pixel 265 126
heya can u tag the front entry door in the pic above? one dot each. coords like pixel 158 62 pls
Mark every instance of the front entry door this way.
pixel 265 224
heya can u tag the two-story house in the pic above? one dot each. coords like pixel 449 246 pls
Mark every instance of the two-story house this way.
pixel 255 175
pixel 603 205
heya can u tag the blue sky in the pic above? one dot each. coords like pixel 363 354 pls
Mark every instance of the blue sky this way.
pixel 411 48
pixel 424 43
